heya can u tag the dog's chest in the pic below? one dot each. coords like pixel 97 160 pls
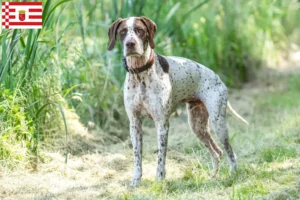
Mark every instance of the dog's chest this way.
pixel 147 93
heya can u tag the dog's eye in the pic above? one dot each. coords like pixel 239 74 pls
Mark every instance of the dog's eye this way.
pixel 123 32
pixel 140 31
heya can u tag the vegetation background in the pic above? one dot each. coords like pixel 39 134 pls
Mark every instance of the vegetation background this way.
pixel 56 81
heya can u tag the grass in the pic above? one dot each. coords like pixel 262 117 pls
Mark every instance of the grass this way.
pixel 277 153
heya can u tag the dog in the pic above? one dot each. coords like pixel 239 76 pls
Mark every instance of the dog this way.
pixel 155 85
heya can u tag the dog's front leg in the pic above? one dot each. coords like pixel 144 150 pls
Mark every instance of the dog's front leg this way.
pixel 162 139
pixel 137 144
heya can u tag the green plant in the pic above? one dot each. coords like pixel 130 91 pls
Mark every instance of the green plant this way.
pixel 27 86
pixel 16 127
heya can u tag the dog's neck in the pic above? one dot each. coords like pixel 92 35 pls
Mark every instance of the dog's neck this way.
pixel 135 62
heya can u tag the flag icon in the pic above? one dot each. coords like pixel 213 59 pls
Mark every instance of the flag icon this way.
pixel 22 15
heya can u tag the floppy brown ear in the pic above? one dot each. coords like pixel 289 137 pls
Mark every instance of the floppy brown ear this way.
pixel 112 33
pixel 151 29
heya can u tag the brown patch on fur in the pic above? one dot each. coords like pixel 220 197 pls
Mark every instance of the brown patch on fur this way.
pixel 151 29
pixel 140 29
pixel 163 63
pixel 122 27
pixel 198 120
pixel 193 101
pixel 112 33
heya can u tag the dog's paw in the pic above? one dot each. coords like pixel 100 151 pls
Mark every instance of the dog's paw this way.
pixel 135 182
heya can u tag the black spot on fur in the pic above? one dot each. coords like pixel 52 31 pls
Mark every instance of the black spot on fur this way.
pixel 163 63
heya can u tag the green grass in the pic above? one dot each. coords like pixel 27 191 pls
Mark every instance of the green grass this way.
pixel 277 153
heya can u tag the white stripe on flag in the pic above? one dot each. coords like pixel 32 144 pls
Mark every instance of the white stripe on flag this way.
pixel 27 20
pixel 24 27
pixel 20 7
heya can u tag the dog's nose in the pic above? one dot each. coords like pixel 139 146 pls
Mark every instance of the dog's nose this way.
pixel 130 44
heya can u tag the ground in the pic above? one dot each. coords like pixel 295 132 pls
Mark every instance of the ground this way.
pixel 268 152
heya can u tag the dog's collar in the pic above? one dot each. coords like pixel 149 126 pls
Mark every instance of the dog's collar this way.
pixel 140 69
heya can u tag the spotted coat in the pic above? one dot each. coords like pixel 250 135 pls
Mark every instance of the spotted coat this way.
pixel 157 91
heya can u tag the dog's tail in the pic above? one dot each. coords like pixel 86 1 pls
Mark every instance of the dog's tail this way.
pixel 231 111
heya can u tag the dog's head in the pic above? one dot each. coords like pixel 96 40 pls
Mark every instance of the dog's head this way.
pixel 135 33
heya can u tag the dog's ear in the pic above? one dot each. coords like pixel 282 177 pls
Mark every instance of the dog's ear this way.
pixel 151 29
pixel 112 33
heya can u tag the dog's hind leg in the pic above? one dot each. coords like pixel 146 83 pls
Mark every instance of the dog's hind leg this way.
pixel 216 107
pixel 198 121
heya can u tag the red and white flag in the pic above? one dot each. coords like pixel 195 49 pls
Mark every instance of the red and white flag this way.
pixel 22 15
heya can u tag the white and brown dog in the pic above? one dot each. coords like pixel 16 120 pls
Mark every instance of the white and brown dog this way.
pixel 155 85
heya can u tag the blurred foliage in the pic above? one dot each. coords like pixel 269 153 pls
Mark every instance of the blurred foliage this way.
pixel 67 62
